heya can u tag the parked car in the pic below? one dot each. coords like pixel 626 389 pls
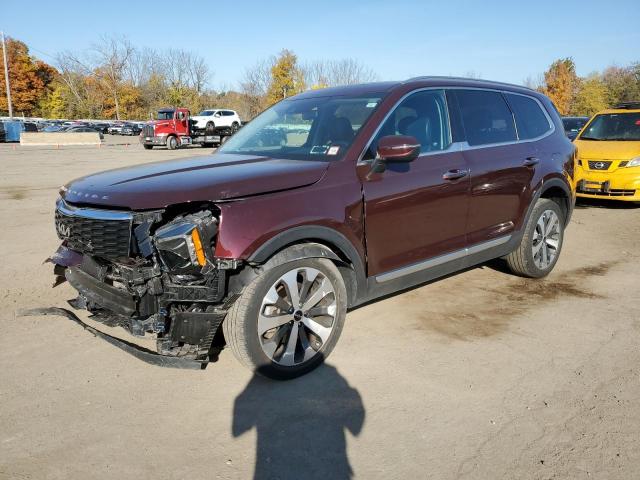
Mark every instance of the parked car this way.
pixel 84 130
pixel 573 125
pixel 101 127
pixel 609 154
pixel 265 245
pixel 115 129
pixel 29 127
pixel 3 133
pixel 217 119
pixel 130 129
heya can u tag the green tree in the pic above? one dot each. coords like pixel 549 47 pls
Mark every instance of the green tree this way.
pixel 560 84
pixel 591 97
pixel 55 104
pixel 622 83
pixel 287 78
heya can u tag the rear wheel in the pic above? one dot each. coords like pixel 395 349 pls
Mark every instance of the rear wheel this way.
pixel 288 320
pixel 541 243
pixel 172 143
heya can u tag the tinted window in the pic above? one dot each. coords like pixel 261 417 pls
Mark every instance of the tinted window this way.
pixel 486 117
pixel 422 115
pixel 613 126
pixel 531 122
pixel 572 124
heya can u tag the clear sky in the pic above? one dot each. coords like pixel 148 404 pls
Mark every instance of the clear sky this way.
pixel 497 40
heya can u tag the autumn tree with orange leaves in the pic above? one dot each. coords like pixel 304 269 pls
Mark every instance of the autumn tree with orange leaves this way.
pixel 30 79
pixel 561 84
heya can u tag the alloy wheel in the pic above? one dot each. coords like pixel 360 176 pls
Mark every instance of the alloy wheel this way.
pixel 297 316
pixel 546 239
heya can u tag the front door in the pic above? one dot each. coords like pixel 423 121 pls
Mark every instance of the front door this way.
pixel 182 123
pixel 416 211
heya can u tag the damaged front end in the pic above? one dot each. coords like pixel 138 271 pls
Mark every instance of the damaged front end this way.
pixel 149 272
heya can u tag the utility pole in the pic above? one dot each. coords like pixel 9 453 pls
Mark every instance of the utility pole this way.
pixel 6 76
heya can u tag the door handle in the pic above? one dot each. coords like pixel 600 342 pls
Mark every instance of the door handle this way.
pixel 454 174
pixel 531 161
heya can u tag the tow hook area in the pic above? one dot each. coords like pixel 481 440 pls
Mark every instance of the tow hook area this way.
pixel 137 351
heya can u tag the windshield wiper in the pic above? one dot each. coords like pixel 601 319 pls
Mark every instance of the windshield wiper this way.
pixel 592 138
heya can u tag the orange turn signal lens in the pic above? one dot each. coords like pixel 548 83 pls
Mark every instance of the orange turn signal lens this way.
pixel 195 236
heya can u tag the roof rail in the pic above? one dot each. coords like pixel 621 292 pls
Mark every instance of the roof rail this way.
pixel 627 105
pixel 449 77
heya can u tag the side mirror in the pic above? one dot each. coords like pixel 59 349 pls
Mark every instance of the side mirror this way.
pixel 398 148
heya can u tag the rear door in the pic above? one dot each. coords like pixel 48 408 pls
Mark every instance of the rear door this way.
pixel 499 165
pixel 413 213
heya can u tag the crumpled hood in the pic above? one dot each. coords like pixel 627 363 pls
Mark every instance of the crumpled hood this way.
pixel 211 178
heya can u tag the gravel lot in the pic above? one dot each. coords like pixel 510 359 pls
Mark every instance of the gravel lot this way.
pixel 479 375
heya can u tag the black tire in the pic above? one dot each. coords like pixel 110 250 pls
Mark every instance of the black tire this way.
pixel 147 147
pixel 240 326
pixel 207 145
pixel 172 142
pixel 235 126
pixel 521 261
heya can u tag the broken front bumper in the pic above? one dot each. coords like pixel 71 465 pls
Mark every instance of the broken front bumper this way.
pixel 148 307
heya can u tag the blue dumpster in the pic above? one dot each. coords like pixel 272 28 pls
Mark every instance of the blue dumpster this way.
pixel 13 129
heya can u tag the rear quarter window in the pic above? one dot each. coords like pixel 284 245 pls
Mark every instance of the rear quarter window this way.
pixel 486 117
pixel 531 121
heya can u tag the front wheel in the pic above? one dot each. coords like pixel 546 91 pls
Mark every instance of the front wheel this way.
pixel 147 147
pixel 541 243
pixel 235 126
pixel 172 143
pixel 287 321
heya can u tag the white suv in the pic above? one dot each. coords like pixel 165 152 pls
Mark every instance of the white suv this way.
pixel 217 119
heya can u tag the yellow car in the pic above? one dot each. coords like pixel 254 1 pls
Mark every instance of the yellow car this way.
pixel 609 155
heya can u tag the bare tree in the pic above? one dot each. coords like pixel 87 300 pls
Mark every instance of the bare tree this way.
pixel 330 73
pixel 182 68
pixel 112 55
pixel 255 85
pixel 73 72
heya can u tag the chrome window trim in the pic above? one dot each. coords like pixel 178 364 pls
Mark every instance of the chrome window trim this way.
pixel 92 213
pixel 441 259
pixel 465 145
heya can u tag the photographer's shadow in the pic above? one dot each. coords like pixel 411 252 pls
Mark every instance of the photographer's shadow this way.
pixel 300 424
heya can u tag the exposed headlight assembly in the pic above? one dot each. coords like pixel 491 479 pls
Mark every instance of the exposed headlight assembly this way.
pixel 634 162
pixel 185 244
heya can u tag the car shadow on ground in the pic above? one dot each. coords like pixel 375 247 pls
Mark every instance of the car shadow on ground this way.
pixel 611 204
pixel 300 424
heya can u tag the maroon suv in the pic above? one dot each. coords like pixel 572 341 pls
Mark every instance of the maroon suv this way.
pixel 327 200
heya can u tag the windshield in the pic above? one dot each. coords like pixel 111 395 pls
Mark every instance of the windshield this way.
pixel 306 128
pixel 614 127
pixel 165 114
pixel 206 113
pixel 573 124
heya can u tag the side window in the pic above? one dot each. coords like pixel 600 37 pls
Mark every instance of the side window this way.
pixel 422 115
pixel 486 117
pixel 531 122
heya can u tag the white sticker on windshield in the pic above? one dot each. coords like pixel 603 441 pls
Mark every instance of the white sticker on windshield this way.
pixel 372 104
pixel 333 150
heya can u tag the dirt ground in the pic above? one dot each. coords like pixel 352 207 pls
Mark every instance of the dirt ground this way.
pixel 480 375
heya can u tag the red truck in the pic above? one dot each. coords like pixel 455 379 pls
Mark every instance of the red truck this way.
pixel 174 128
